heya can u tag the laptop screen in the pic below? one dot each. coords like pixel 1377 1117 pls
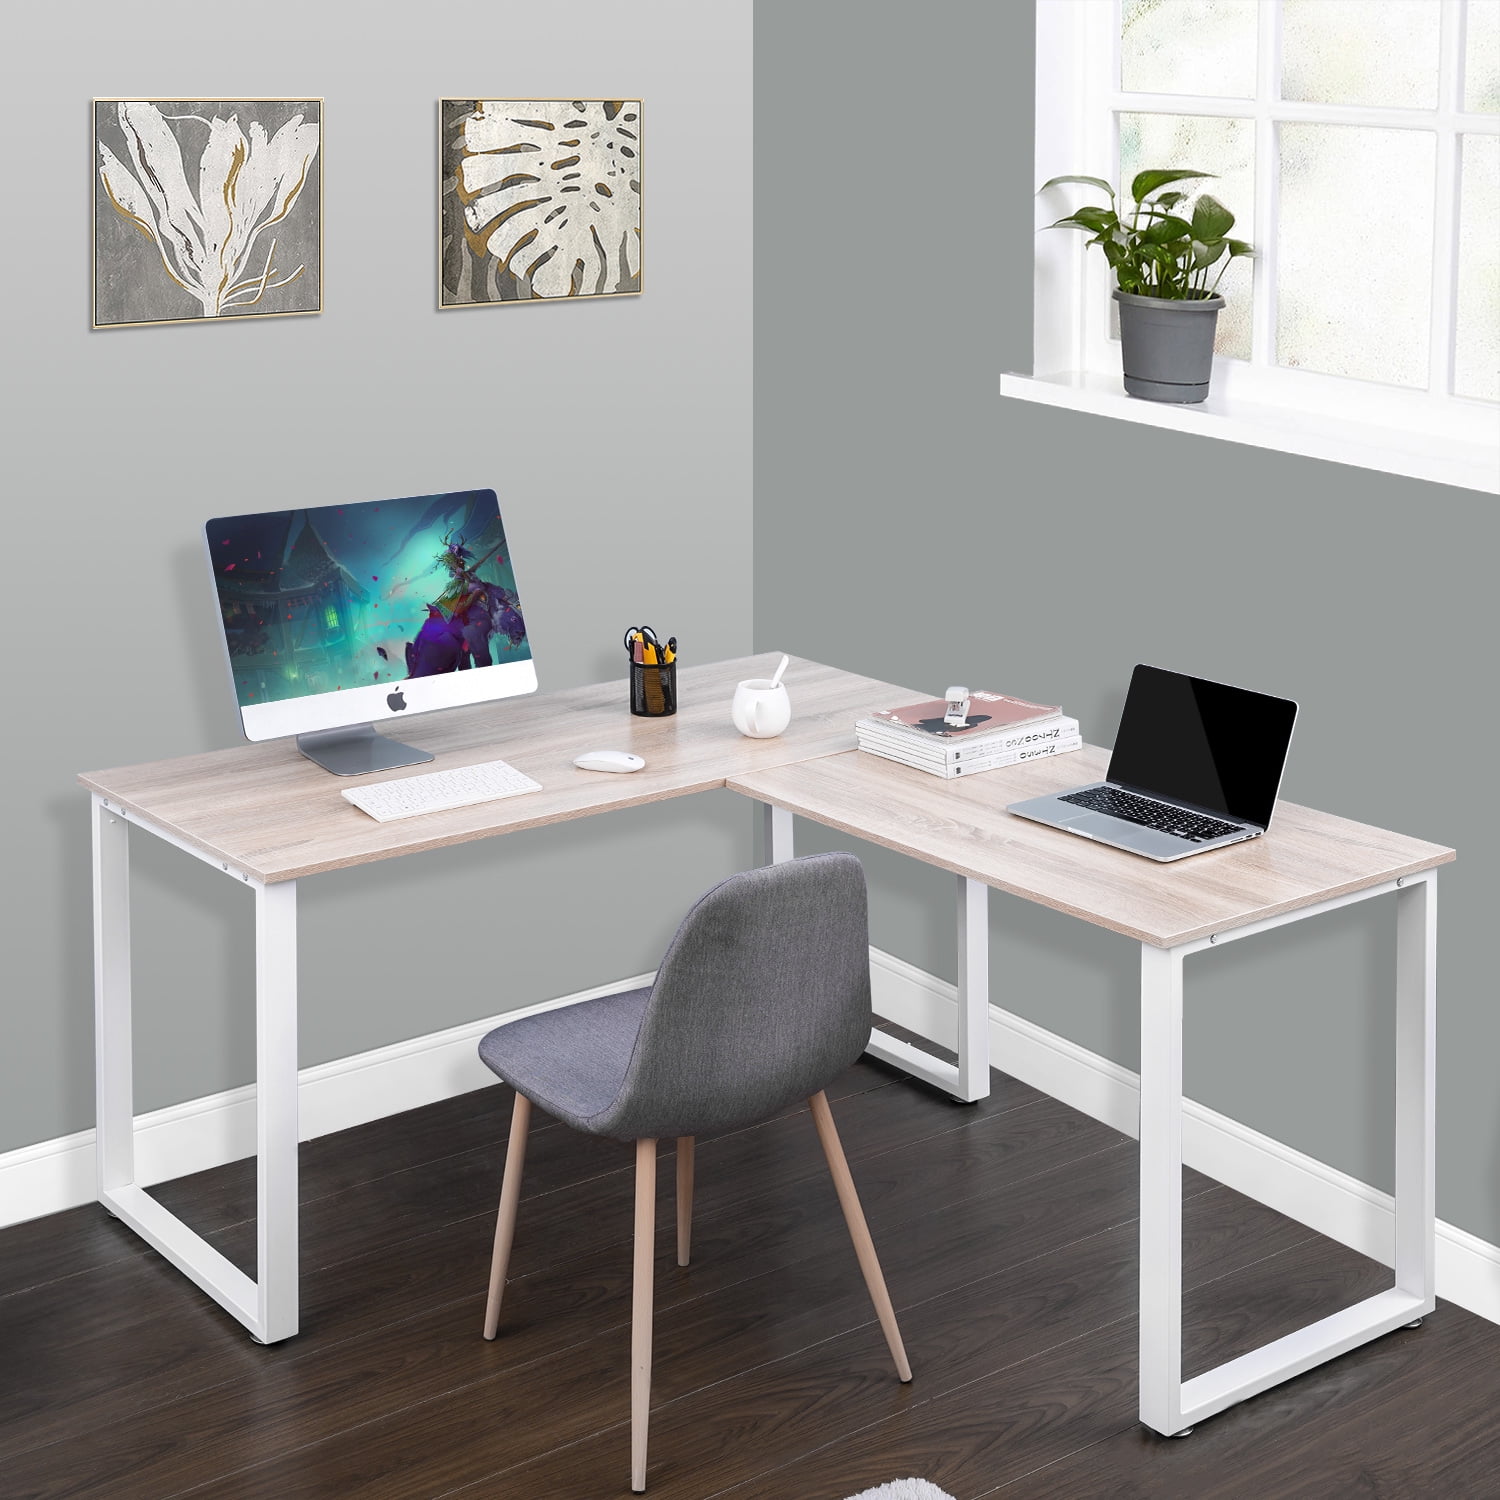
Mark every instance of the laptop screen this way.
pixel 1217 747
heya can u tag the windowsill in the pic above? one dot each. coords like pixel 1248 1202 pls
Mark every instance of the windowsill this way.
pixel 1366 445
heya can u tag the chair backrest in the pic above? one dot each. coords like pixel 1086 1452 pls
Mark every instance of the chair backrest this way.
pixel 762 998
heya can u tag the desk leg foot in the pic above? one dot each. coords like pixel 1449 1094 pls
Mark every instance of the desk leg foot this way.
pixel 1415 1323
pixel 1186 1432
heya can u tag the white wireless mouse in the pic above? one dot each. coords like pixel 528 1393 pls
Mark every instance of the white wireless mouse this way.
pixel 608 760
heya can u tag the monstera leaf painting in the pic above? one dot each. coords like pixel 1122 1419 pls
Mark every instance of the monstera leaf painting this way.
pixel 540 198
pixel 206 209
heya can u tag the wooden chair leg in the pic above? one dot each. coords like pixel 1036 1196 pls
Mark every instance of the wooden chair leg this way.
pixel 640 1309
pixel 859 1231
pixel 505 1220
pixel 684 1198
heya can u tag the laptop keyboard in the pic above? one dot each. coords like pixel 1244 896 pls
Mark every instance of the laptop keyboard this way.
pixel 1159 815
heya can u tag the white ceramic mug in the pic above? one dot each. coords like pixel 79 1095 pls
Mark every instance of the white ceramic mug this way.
pixel 761 709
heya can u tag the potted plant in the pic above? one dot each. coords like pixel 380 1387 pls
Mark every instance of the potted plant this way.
pixel 1163 262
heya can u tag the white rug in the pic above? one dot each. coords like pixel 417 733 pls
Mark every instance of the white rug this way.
pixel 904 1489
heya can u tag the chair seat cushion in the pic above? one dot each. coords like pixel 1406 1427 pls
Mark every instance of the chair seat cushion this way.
pixel 571 1061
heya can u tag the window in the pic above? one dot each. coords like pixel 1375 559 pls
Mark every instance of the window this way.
pixel 1358 145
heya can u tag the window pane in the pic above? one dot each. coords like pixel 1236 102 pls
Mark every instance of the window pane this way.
pixel 1226 147
pixel 1354 272
pixel 1188 47
pixel 1476 344
pixel 1353 52
pixel 1482 58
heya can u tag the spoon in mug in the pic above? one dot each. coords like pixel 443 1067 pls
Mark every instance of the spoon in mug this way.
pixel 776 680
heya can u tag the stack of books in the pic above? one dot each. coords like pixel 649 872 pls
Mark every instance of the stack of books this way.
pixel 1000 731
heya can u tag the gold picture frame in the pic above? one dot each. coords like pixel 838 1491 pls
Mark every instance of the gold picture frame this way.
pixel 159 247
pixel 508 230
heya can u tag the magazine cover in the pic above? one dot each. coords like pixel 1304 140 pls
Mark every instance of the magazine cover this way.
pixel 987 712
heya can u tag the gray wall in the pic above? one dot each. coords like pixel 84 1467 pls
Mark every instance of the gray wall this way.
pixel 119 444
pixel 886 464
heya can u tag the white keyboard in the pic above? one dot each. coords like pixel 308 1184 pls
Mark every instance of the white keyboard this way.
pixel 439 791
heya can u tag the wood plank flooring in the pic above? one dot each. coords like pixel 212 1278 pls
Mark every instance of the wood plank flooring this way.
pixel 1008 1238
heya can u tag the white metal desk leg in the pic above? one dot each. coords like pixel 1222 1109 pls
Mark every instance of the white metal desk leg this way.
pixel 973 989
pixel 114 1106
pixel 778 831
pixel 266 1305
pixel 1416 1049
pixel 276 1109
pixel 1161 1189
pixel 968 1079
pixel 1167 1403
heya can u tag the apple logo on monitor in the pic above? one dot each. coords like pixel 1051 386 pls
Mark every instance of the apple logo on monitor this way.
pixel 395 700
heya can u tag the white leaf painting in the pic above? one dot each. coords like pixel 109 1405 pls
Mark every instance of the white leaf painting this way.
pixel 541 198
pixel 225 239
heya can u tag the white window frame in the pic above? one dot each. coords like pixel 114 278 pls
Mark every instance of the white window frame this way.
pixel 1426 434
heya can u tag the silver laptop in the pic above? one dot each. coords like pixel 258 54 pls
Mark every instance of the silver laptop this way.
pixel 1196 766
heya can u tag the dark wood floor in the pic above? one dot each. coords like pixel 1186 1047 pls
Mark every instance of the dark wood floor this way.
pixel 1006 1230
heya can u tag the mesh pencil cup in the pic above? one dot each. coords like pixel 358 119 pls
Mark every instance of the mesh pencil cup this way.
pixel 653 690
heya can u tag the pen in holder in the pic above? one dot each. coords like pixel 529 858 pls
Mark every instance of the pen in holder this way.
pixel 653 674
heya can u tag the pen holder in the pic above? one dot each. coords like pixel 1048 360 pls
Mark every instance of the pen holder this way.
pixel 653 690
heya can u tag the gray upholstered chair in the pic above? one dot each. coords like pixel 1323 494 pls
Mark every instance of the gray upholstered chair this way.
pixel 762 998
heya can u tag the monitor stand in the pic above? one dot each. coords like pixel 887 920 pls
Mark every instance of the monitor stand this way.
pixel 358 750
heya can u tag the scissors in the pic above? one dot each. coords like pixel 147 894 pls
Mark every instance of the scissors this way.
pixel 644 638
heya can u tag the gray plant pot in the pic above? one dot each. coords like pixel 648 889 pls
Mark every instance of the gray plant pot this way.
pixel 1168 347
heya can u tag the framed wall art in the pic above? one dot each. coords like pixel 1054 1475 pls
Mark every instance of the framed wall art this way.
pixel 206 209
pixel 540 199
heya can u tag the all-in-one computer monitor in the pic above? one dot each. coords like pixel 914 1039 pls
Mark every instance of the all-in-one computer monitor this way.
pixel 340 617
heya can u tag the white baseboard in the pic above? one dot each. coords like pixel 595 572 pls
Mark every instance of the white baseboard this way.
pixel 1326 1200
pixel 218 1128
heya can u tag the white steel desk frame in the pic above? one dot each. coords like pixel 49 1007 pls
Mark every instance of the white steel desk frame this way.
pixel 267 1306
pixel 1169 1405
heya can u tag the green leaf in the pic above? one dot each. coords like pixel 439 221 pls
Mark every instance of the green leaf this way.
pixel 1169 200
pixel 1211 220
pixel 1073 221
pixel 1168 227
pixel 1091 181
pixel 1147 183
pixel 1240 247
pixel 1207 254
pixel 1114 254
pixel 1100 220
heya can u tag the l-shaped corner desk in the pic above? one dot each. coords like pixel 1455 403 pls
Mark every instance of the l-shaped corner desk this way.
pixel 263 816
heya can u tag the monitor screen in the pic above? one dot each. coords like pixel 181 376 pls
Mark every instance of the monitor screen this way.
pixel 1217 747
pixel 335 615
